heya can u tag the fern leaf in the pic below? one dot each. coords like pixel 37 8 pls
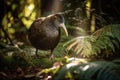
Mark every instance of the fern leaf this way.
pixel 117 35
pixel 116 44
pixel 116 31
pixel 79 50
pixel 107 40
pixel 96 70
pixel 72 45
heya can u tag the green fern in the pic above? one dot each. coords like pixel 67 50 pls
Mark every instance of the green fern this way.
pixel 106 39
pixel 97 70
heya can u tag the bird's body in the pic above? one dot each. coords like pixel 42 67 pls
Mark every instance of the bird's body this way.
pixel 44 33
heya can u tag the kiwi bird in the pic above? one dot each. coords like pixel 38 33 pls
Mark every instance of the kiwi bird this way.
pixel 45 33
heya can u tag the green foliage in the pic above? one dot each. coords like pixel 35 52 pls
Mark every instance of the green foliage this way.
pixel 43 62
pixel 97 70
pixel 16 19
pixel 12 62
pixel 105 40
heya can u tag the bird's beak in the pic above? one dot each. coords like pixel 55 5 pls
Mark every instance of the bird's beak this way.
pixel 63 26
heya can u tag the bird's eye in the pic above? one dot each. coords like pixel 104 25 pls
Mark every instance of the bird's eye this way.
pixel 59 18
pixel 55 17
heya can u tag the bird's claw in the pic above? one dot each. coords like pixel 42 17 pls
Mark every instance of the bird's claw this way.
pixel 51 57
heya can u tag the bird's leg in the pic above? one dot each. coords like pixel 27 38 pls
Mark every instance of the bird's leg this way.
pixel 36 53
pixel 52 55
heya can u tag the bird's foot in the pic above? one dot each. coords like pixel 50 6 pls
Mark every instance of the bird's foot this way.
pixel 51 57
pixel 36 54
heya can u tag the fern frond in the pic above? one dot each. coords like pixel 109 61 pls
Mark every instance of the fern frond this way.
pixel 82 45
pixel 106 39
pixel 96 70
pixel 116 31
pixel 116 44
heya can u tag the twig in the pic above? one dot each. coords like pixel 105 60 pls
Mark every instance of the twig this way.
pixel 6 34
